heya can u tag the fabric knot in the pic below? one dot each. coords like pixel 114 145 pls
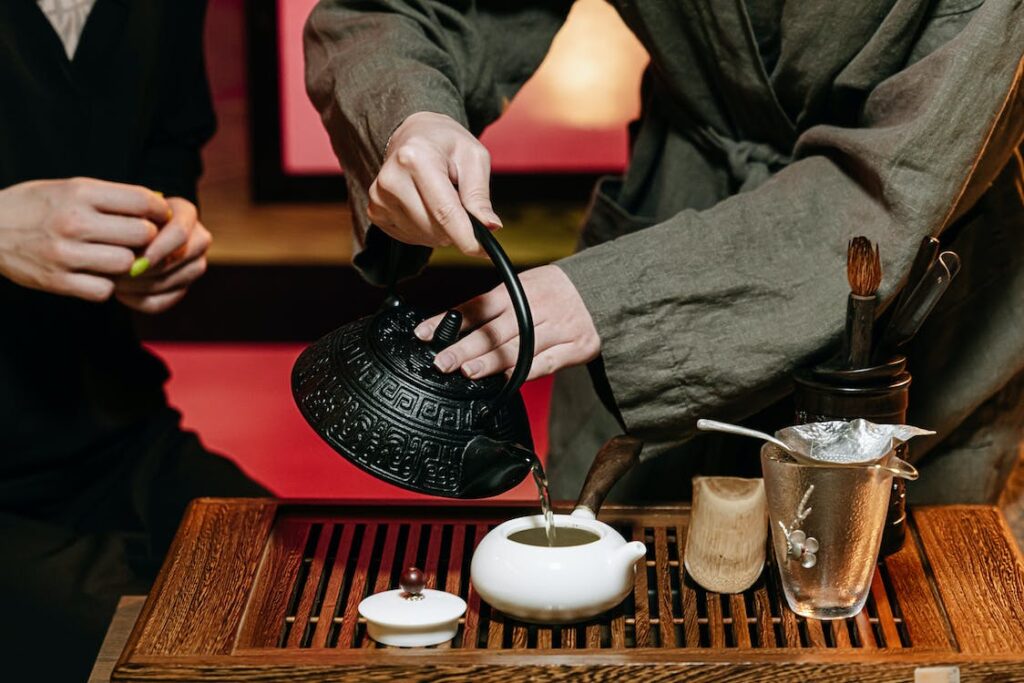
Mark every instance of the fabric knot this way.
pixel 750 163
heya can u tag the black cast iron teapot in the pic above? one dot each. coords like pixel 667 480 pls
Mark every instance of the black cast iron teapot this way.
pixel 371 391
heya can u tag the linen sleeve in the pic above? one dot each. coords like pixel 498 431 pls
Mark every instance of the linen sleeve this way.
pixel 372 63
pixel 708 313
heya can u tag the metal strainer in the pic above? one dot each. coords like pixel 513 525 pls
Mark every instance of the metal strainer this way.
pixel 857 442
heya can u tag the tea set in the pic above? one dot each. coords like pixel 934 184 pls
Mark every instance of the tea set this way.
pixel 371 391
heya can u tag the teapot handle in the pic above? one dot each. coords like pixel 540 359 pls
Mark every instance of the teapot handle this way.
pixel 519 303
pixel 616 457
pixel 515 292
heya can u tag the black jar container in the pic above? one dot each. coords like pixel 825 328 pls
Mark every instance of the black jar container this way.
pixel 879 394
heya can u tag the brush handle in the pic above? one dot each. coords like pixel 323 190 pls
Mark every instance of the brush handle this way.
pixel 860 319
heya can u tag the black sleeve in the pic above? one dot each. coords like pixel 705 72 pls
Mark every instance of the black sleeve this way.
pixel 184 120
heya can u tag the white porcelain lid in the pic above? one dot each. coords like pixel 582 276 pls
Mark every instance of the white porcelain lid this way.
pixel 394 608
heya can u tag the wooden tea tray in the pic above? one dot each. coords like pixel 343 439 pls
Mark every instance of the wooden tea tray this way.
pixel 263 590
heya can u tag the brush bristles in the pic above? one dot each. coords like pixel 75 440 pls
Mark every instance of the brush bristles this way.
pixel 863 267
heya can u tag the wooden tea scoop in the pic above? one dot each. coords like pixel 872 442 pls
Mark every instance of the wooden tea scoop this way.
pixel 728 530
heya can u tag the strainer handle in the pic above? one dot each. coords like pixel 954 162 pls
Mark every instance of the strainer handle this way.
pixel 901 469
pixel 716 426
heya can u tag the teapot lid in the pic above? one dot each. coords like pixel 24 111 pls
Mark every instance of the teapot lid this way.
pixel 412 616
pixel 390 338
pixel 396 608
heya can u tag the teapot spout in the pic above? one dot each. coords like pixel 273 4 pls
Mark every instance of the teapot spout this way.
pixel 490 467
pixel 625 557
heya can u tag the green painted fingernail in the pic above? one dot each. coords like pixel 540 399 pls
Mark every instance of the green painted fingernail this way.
pixel 139 266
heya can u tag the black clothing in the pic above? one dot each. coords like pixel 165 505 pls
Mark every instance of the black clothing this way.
pixel 67 559
pixel 133 106
pixel 95 472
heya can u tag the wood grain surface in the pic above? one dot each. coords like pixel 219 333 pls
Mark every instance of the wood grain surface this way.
pixel 334 586
pixel 642 623
pixel 926 625
pixel 285 607
pixel 552 667
pixel 261 625
pixel 196 603
pixel 979 574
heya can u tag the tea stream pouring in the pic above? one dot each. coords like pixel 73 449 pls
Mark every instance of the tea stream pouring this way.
pixel 371 391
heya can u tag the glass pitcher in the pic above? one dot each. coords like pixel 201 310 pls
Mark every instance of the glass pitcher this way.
pixel 827 522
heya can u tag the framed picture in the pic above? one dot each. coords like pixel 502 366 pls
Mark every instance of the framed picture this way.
pixel 564 128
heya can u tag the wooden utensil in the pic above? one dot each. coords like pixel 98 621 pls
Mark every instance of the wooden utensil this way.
pixel 728 528
pixel 864 272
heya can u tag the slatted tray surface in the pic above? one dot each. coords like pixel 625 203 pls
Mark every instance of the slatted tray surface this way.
pixel 251 589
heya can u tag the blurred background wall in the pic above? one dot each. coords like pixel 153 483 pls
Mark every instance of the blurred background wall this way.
pixel 280 267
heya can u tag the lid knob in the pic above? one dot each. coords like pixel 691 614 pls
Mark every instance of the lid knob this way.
pixel 412 581
pixel 447 331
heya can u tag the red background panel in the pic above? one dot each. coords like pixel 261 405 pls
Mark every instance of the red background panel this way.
pixel 237 397
pixel 570 117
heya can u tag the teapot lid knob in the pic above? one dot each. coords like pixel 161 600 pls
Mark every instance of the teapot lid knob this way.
pixel 412 581
pixel 447 331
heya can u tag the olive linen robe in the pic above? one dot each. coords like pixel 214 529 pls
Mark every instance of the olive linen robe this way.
pixel 770 135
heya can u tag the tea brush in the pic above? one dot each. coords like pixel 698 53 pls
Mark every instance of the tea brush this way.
pixel 864 273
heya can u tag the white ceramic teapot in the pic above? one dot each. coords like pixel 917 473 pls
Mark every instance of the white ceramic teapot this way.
pixel 515 571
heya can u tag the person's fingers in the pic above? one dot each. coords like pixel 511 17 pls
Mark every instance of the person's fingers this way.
pixel 198 244
pixel 443 204
pixel 174 234
pixel 157 303
pixel 473 170
pixel 478 311
pixel 82 285
pixel 397 208
pixel 178 278
pixel 504 357
pixel 93 258
pixel 477 343
pixel 376 209
pixel 553 359
pixel 425 330
pixel 124 231
pixel 497 360
pixel 119 198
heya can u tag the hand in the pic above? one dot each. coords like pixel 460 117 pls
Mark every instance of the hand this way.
pixel 73 236
pixel 434 171
pixel 179 256
pixel 564 333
